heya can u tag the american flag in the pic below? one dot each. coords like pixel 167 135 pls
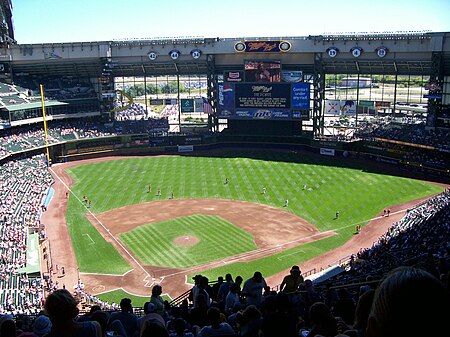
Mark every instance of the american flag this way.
pixel 207 108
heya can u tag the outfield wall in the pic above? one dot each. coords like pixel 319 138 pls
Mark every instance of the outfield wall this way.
pixel 200 144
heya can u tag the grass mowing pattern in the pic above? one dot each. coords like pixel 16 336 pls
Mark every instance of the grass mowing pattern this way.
pixel 153 245
pixel 356 193
pixel 91 249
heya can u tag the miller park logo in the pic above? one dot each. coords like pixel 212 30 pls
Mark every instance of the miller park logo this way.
pixel 262 46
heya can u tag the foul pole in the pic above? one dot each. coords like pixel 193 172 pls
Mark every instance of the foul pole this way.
pixel 44 117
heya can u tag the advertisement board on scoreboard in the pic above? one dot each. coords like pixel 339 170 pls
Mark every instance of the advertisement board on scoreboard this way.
pixel 268 101
pixel 278 114
pixel 233 76
pixel 300 96
pixel 262 96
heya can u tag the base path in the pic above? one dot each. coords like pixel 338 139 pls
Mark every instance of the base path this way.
pixel 273 229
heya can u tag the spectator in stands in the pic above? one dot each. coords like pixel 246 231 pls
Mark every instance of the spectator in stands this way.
pixel 253 288
pixel 152 329
pixel 250 322
pixel 62 310
pixel 126 317
pixel 238 280
pixel 179 326
pixel 279 318
pixel 202 288
pixel 87 316
pixel 195 289
pixel 321 321
pixel 42 325
pixel 198 315
pixel 344 306
pixel 232 301
pixel 102 318
pixel 151 314
pixel 358 329
pixel 216 328
pixel 8 328
pixel 157 300
pixel 291 282
pixel 224 288
pixel 215 288
pixel 409 302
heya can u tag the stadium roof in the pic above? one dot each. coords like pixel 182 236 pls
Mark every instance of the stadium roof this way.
pixel 34 105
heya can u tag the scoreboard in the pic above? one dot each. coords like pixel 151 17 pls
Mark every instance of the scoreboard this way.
pixel 278 101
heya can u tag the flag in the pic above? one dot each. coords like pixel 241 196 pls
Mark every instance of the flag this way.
pixel 207 108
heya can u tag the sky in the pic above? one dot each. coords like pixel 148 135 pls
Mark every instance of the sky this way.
pixel 54 21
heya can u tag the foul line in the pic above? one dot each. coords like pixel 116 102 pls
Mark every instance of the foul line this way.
pixel 101 224
pixel 92 241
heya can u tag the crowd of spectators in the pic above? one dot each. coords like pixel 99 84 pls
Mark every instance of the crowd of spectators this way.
pixel 14 95
pixel 28 137
pixel 24 187
pixel 134 112
pixel 438 138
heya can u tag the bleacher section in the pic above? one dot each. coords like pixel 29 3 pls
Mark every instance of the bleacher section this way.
pixel 24 186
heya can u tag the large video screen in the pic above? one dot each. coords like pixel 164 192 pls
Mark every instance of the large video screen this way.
pixel 262 71
pixel 277 101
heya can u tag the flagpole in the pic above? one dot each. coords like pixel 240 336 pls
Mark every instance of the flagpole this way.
pixel 44 117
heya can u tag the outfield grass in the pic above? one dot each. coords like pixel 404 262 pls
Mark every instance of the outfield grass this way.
pixel 353 191
pixel 153 243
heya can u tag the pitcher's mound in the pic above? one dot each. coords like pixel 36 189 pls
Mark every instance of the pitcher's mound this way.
pixel 185 241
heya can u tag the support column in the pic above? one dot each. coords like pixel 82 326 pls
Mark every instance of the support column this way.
pixel 319 94
pixel 213 121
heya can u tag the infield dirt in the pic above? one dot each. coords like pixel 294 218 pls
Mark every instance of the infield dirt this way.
pixel 273 229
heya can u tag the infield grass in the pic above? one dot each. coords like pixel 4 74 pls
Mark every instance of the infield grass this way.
pixel 153 243
pixel 358 194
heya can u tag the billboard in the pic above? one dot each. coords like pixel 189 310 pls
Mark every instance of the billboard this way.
pixel 291 76
pixel 301 115
pixel 156 101
pixel 262 96
pixel 279 114
pixel 262 46
pixel 262 71
pixel 332 107
pixel 300 96
pixel 348 107
pixel 233 76
pixel 276 101
pixel 225 101
pixel 187 105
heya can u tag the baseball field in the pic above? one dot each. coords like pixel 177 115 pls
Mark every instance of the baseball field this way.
pixel 233 212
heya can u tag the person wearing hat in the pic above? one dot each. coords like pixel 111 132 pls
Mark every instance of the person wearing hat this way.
pixel 291 282
pixel 195 289
pixel 42 325
pixel 151 315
